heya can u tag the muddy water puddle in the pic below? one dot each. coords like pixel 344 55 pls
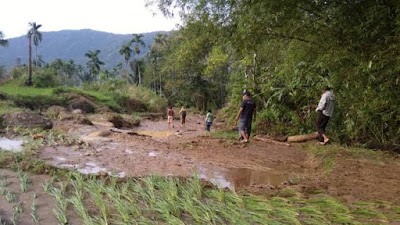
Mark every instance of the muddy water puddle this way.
pixel 156 134
pixel 12 145
pixel 239 178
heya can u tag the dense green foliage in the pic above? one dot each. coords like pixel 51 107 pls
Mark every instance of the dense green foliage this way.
pixel 285 52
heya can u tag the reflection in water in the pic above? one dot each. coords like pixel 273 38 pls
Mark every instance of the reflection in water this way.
pixel 238 178
pixel 243 177
pixel 10 145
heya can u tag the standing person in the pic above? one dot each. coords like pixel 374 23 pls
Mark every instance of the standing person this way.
pixel 182 113
pixel 325 109
pixel 170 116
pixel 209 120
pixel 246 111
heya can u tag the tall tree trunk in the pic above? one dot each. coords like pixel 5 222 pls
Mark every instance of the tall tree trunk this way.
pixel 29 81
pixel 36 58
pixel 140 77
pixel 160 84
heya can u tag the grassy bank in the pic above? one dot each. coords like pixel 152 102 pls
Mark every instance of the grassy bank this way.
pixel 122 99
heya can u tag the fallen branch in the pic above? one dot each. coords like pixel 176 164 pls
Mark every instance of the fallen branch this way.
pixel 270 141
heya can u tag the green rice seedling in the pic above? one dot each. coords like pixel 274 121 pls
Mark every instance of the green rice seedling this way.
pixel 95 189
pixel 312 215
pixel 80 209
pixel 131 200
pixel 47 187
pixel 14 218
pixel 193 185
pixel 24 181
pixel 2 222
pixel 61 216
pixel 61 203
pixel 124 203
pixel 60 199
pixel 19 208
pixel 11 197
pixel 230 213
pixel 148 193
pixel 3 182
pixel 169 195
pixel 78 190
pixel 34 206
pixel 166 211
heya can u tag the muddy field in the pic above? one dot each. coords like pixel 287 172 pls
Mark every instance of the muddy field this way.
pixel 154 148
pixel 256 167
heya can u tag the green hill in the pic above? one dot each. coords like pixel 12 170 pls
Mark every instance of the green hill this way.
pixel 72 44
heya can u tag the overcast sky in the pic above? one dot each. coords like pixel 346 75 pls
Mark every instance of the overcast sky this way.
pixel 115 16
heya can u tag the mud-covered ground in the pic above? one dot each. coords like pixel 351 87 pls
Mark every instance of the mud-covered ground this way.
pixel 258 167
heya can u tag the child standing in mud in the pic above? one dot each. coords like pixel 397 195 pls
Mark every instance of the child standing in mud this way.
pixel 209 120
pixel 170 116
pixel 182 114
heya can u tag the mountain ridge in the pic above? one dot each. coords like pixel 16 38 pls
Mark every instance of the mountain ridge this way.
pixel 72 45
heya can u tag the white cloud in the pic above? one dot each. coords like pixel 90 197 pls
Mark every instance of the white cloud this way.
pixel 115 16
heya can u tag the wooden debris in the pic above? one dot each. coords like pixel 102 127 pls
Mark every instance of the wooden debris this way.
pixel 264 139
pixel 302 138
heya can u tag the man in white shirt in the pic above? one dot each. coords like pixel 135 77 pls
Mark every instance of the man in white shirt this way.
pixel 325 109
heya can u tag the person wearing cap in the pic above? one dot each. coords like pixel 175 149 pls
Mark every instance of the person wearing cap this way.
pixel 245 116
pixel 325 110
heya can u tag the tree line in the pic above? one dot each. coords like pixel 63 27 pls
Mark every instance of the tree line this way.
pixel 284 52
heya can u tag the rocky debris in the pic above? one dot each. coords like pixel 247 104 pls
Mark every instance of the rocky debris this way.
pixel 57 109
pixel 26 120
pixel 77 111
pixel 123 121
pixel 83 104
pixel 75 117
pixel 54 111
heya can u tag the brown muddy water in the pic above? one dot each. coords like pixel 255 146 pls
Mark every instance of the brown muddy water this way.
pixel 239 178
pixel 156 134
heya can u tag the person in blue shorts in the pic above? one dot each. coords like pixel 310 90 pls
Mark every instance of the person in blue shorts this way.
pixel 246 114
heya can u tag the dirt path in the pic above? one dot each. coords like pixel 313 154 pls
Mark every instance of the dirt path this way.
pixel 257 167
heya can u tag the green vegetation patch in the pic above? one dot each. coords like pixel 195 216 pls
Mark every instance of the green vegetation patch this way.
pixel 8 107
pixel 327 154
pixel 225 134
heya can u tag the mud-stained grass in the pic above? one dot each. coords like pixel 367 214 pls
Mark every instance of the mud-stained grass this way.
pixel 171 200
pixel 328 154
pixel 232 135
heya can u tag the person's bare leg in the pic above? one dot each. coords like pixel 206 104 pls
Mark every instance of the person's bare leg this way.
pixel 326 139
pixel 244 135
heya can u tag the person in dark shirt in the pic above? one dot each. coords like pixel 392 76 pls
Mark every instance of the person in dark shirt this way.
pixel 170 116
pixel 246 112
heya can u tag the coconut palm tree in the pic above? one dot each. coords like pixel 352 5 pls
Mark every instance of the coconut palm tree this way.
pixel 126 51
pixel 37 37
pixel 3 42
pixel 137 40
pixel 94 62
pixel 157 50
